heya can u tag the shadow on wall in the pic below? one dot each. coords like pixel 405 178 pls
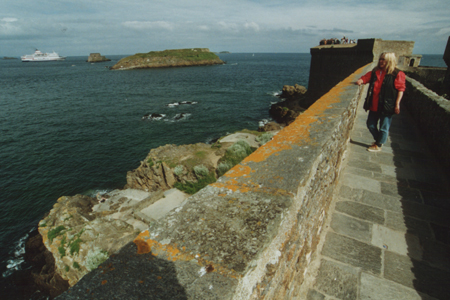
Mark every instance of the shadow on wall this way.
pixel 425 204
pixel 128 275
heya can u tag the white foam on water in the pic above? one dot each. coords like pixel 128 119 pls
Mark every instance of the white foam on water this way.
pixel 175 104
pixel 178 117
pixel 274 93
pixel 154 117
pixel 14 263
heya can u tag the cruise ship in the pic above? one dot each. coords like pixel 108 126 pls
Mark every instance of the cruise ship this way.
pixel 39 56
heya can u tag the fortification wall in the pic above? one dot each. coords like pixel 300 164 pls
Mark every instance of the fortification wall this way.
pixel 331 64
pixel 251 234
pixel 432 116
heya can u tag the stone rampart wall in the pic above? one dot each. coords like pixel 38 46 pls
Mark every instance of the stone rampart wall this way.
pixel 331 64
pixel 258 225
pixel 432 116
pixel 251 234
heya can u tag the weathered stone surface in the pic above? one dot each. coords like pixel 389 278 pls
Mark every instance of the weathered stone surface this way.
pixel 428 213
pixel 400 222
pixel 315 295
pixel 375 288
pixel 337 280
pixel 432 115
pixel 369 166
pixel 353 252
pixel 381 201
pixel 128 275
pixel 351 227
pixel 417 275
pixel 396 241
pixel 404 192
pixel 82 231
pixel 436 255
pixel 349 193
pixel 361 211
pixel 358 182
pixel 442 233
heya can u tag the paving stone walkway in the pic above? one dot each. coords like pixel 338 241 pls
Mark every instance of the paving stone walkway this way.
pixel 388 233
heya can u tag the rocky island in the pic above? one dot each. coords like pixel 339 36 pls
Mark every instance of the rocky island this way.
pixel 96 57
pixel 169 58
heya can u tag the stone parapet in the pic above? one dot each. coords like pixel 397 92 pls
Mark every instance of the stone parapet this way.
pixel 251 234
pixel 332 63
pixel 432 116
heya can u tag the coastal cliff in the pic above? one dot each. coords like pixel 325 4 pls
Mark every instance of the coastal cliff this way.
pixel 169 58
pixel 80 232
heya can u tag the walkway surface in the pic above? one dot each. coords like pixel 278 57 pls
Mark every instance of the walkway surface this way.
pixel 388 231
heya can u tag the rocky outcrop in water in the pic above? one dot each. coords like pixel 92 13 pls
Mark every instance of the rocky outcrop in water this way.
pixel 96 57
pixel 295 102
pixel 169 58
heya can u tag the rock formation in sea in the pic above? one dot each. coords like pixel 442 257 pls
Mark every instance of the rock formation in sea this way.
pixel 169 58
pixel 295 102
pixel 80 232
pixel 96 57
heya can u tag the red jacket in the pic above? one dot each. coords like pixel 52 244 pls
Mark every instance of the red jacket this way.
pixel 399 84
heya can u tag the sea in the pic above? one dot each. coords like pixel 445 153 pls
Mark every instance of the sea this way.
pixel 73 127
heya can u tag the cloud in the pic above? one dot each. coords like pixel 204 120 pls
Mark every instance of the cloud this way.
pixel 251 25
pixel 9 20
pixel 142 25
pixel 237 25
pixel 443 32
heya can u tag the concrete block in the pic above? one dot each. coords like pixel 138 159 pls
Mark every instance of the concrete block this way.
pixel 427 213
pixel 361 211
pixel 353 252
pixel 365 165
pixel 436 254
pixel 400 191
pixel 375 288
pixel 337 280
pixel 441 233
pixel 347 192
pixel 396 241
pixel 359 172
pixel 355 181
pixel 400 222
pixel 351 227
pixel 417 275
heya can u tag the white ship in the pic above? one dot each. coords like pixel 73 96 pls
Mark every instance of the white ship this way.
pixel 39 56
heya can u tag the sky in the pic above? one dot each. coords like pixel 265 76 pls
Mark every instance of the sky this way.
pixel 80 27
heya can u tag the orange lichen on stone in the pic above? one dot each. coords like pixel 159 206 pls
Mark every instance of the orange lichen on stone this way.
pixel 298 132
pixel 239 171
pixel 265 151
pixel 172 253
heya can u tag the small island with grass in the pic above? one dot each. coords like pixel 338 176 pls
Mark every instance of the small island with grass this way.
pixel 169 58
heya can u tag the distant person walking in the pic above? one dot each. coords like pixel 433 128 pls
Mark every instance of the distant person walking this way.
pixel 386 87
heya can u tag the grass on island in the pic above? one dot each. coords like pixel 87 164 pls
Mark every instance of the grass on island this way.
pixel 194 54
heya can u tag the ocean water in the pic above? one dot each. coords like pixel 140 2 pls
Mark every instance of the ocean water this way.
pixel 72 127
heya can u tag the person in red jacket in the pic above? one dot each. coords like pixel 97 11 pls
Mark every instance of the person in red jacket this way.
pixel 386 87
